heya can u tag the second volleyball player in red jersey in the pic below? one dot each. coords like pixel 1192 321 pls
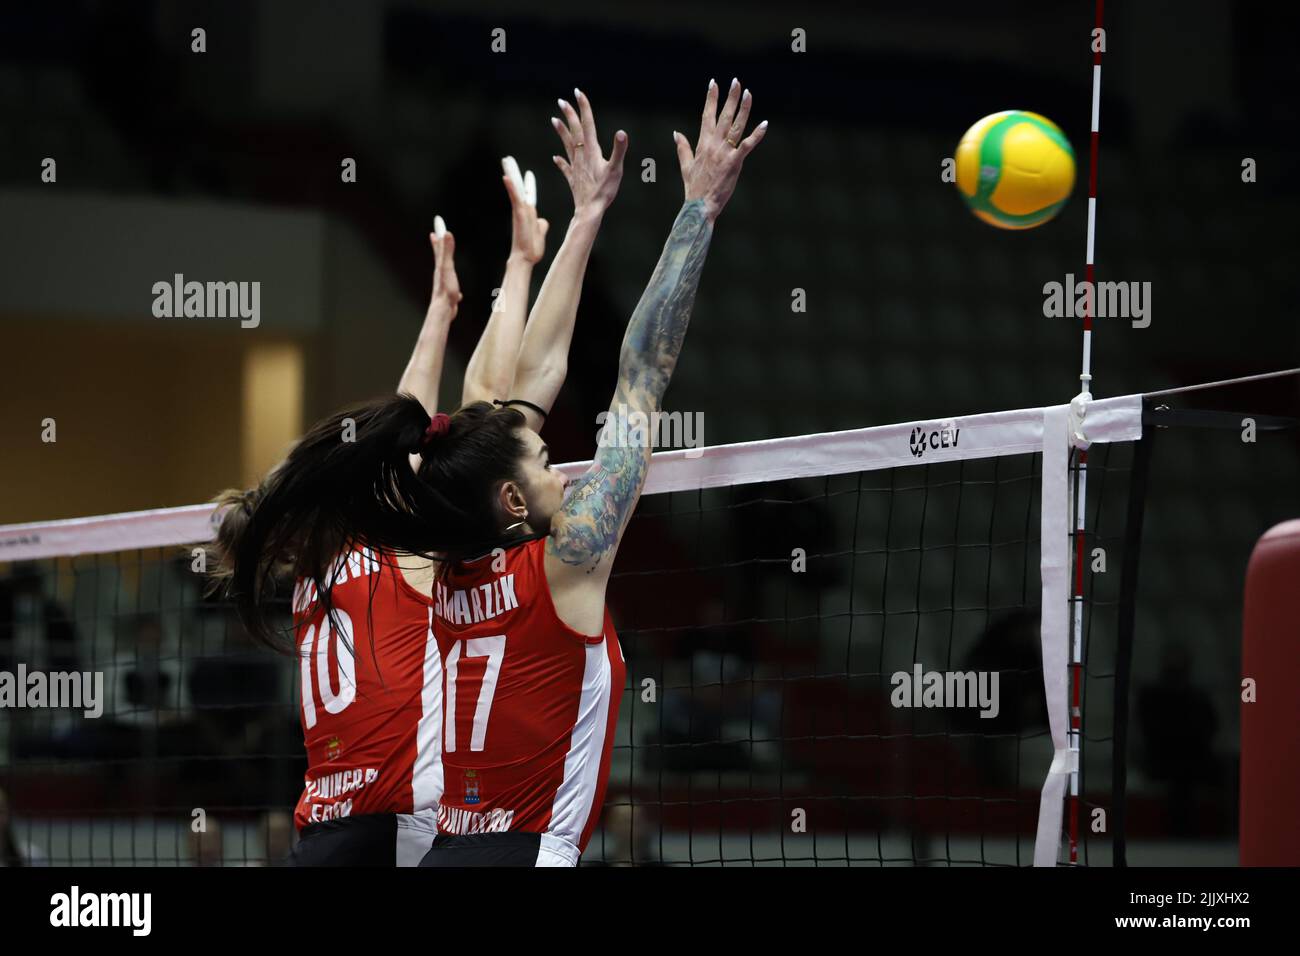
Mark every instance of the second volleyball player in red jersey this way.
pixel 533 671
pixel 530 711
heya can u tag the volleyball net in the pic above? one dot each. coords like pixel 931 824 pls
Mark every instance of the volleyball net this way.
pixel 848 648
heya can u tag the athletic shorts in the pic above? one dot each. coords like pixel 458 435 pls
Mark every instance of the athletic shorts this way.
pixel 378 839
pixel 501 849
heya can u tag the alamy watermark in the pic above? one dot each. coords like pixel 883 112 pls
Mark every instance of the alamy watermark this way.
pixel 1109 300
pixel 946 689
pixel 208 300
pixel 75 908
pixel 70 690
pixel 636 429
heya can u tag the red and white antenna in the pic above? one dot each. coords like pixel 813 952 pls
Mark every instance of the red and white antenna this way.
pixel 1081 460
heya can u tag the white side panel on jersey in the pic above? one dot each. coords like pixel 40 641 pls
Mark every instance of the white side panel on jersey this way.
pixel 449 724
pixel 577 791
pixel 426 775
pixel 305 654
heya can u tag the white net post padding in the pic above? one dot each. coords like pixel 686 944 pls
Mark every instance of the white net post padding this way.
pixel 1054 631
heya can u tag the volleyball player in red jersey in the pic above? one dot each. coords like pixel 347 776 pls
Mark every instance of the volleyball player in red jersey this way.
pixel 533 668
pixel 533 671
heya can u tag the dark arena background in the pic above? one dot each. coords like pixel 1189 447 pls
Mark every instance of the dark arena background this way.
pixel 778 578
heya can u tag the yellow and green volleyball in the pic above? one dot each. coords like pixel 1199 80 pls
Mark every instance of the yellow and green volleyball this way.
pixel 1015 169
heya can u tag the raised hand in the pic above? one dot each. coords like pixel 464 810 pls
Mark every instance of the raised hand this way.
pixel 711 170
pixel 446 287
pixel 593 179
pixel 528 237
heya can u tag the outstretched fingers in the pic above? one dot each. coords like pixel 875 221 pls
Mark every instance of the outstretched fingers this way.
pixel 588 121
pixel 445 255
pixel 709 121
pixel 573 126
pixel 444 262
pixel 729 108
pixel 511 169
pixel 566 136
pixel 753 139
pixel 684 155
pixel 522 213
pixel 619 151
pixel 737 127
pixel 565 169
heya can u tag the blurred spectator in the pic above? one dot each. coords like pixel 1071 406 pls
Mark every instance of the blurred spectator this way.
pixel 1011 646
pixel 207 847
pixel 145 698
pixel 277 835
pixel 721 721
pixel 34 629
pixel 1177 724
pixel 148 687
pixel 238 716
pixel 14 852
pixel 628 838
pixel 269 843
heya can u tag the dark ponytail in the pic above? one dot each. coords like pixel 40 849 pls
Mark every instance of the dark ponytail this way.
pixel 349 484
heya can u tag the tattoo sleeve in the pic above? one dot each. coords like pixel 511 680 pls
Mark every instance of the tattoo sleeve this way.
pixel 599 506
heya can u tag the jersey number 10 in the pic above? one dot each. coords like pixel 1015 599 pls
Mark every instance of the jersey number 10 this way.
pixel 317 659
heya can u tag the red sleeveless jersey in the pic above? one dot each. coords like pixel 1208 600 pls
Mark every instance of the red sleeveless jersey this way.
pixel 371 712
pixel 530 704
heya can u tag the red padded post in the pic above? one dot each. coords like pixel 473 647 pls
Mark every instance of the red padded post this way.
pixel 1270 727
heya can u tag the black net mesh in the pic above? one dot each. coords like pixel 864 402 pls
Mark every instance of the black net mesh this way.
pixel 764 625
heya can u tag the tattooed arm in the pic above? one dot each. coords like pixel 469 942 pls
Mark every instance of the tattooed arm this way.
pixel 586 532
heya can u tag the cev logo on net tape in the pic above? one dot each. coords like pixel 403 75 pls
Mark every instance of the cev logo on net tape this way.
pixel 925 437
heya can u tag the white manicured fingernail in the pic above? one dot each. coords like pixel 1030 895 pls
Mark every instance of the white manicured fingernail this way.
pixel 511 168
pixel 439 227
pixel 562 103
pixel 734 82
pixel 712 84
pixel 763 125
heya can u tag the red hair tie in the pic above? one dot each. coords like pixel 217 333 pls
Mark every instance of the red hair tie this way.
pixel 438 425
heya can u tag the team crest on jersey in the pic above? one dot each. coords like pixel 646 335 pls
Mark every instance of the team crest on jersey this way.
pixel 471 787
pixel 333 748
